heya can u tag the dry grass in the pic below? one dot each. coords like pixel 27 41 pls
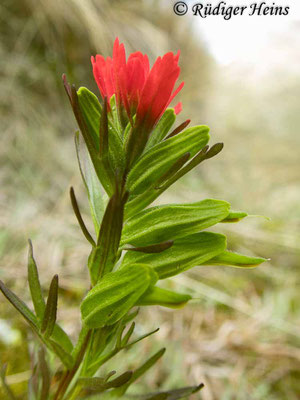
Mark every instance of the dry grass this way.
pixel 241 333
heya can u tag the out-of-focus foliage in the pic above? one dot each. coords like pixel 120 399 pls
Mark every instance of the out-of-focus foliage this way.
pixel 241 333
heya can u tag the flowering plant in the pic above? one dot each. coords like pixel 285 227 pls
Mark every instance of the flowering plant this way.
pixel 128 155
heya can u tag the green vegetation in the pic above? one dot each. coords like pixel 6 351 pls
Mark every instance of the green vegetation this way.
pixel 241 336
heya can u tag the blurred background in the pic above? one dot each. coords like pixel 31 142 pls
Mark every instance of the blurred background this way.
pixel 240 336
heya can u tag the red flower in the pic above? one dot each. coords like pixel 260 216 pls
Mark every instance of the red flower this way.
pixel 139 90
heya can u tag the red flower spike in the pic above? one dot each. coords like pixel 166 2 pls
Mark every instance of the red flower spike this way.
pixel 139 90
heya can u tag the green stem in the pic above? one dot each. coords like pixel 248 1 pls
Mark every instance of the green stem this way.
pixel 85 337
pixel 69 375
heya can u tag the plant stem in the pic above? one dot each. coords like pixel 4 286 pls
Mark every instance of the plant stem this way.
pixel 81 352
pixel 69 375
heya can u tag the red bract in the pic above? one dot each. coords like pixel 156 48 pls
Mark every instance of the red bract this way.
pixel 139 90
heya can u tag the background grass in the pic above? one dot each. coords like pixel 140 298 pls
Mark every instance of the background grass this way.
pixel 240 336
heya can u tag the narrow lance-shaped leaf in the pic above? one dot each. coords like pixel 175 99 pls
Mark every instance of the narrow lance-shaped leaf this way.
pixel 103 131
pixel 90 139
pixel 137 203
pixel 235 216
pixel 119 332
pixel 235 260
pixel 140 338
pixel 91 182
pixel 100 384
pixel 109 375
pixel 92 114
pixel 175 394
pixel 63 355
pixel 104 255
pixel 114 120
pixel 140 371
pixel 179 128
pixel 79 218
pixel 54 345
pixel 163 297
pixel 162 128
pixel 205 154
pixel 49 319
pixel 20 306
pixel 128 334
pixel 159 158
pixel 34 285
pixel 60 337
pixel 115 294
pixel 161 223
pixel 186 253
pixel 172 170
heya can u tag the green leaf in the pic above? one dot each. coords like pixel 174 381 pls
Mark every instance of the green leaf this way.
pixel 179 128
pixel 60 337
pixel 103 131
pixel 162 297
pixel 114 116
pixel 115 294
pixel 102 166
pixel 158 159
pixel 20 306
pixel 64 356
pixel 103 256
pixel 235 260
pixel 34 285
pixel 162 128
pixel 186 252
pixel 49 318
pixel 91 182
pixel 172 171
pixel 34 323
pixel 139 339
pixel 140 371
pixel 100 384
pixel 79 218
pixel 127 336
pixel 91 110
pixel 175 394
pixel 141 201
pixel 235 216
pixel 161 223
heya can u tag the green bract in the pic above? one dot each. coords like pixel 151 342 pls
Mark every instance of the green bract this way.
pixel 91 182
pixel 161 223
pixel 236 260
pixel 186 252
pixel 162 297
pixel 115 294
pixel 159 158
pixel 91 110
pixel 162 128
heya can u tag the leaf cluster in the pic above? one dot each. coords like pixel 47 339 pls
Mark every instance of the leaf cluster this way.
pixel 133 247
